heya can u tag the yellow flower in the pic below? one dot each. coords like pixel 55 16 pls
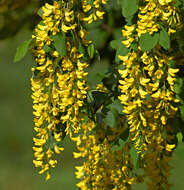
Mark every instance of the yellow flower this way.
pixel 48 176
pixel 58 149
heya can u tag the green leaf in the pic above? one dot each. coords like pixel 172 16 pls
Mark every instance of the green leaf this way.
pixel 118 147
pixel 115 44
pixel 60 43
pixel 178 86
pixel 116 105
pixel 179 137
pixel 148 42
pixel 112 4
pixel 98 55
pixel 111 118
pixel 178 3
pixel 40 12
pixel 46 48
pixel 172 63
pixel 81 49
pixel 134 156
pixel 181 108
pixel 97 35
pixel 90 2
pixel 22 50
pixel 134 46
pixel 99 76
pixel 90 98
pixel 164 40
pixel 91 51
pixel 129 8
pixel 119 47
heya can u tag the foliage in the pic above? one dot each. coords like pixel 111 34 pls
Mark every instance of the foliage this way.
pixel 133 119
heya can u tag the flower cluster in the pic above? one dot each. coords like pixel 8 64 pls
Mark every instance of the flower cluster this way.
pixel 93 11
pixel 104 168
pixel 147 89
pixel 58 82
pixel 154 12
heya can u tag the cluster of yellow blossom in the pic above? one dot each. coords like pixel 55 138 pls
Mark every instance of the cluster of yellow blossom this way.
pixel 59 77
pixel 147 89
pixel 103 168
pixel 101 88
pixel 92 11
pixel 154 12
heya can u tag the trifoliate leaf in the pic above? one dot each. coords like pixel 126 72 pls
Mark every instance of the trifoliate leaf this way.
pixel 22 50
pixel 148 42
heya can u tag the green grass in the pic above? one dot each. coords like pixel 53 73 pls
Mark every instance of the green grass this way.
pixel 16 169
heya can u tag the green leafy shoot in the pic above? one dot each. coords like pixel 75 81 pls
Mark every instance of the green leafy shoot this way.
pixel 22 50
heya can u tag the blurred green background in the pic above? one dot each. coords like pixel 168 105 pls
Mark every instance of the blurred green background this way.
pixel 16 168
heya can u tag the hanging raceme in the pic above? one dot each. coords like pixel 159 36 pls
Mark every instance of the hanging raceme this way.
pixel 104 168
pixel 58 81
pixel 147 86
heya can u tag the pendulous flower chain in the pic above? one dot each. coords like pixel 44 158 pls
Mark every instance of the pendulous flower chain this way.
pixel 147 89
pixel 58 82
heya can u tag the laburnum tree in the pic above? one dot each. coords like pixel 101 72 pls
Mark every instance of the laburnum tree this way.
pixel 133 119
